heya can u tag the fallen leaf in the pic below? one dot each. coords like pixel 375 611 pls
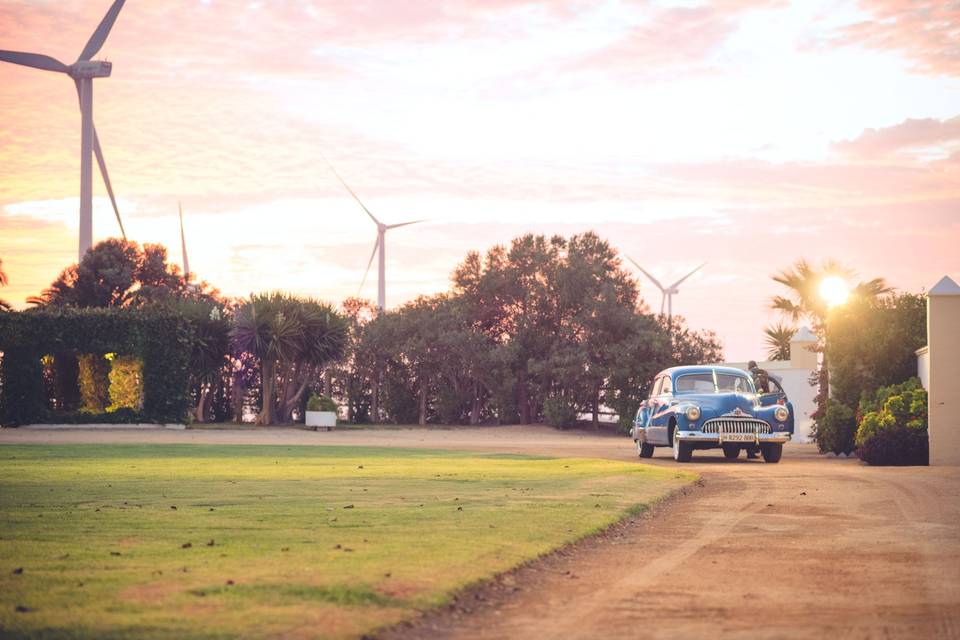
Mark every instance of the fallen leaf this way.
pixel 211 543
pixel 173 507
pixel 229 583
pixel 114 553
pixel 186 545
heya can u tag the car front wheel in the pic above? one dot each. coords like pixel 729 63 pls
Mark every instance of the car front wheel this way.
pixel 682 451
pixel 771 452
pixel 644 449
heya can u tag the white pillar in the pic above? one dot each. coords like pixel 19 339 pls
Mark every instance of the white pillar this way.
pixel 943 340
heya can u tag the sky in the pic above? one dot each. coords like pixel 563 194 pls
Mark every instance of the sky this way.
pixel 746 134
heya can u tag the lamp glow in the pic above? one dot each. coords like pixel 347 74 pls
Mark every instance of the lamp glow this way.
pixel 834 291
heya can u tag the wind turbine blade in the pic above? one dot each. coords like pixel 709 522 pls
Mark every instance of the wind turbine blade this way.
pixel 35 60
pixel 183 246
pixel 98 152
pixel 103 30
pixel 106 180
pixel 376 245
pixel 347 187
pixel 677 283
pixel 654 280
pixel 403 224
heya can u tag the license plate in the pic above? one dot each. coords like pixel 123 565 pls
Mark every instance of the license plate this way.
pixel 737 437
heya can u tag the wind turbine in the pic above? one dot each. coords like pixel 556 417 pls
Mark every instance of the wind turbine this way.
pixel 183 247
pixel 667 292
pixel 379 247
pixel 83 71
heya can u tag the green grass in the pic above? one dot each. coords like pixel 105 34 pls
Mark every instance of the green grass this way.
pixel 278 541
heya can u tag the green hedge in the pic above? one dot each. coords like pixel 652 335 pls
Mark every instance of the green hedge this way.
pixel 160 339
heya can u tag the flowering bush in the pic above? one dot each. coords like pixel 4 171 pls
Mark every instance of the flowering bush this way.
pixel 893 426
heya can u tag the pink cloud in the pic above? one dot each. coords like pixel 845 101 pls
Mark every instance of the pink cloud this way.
pixel 673 39
pixel 927 32
pixel 909 134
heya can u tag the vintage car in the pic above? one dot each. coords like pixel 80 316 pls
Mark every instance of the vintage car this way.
pixel 710 407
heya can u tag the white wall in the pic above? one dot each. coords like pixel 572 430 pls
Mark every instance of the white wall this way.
pixel 796 383
pixel 923 366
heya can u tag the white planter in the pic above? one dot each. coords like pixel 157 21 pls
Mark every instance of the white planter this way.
pixel 321 419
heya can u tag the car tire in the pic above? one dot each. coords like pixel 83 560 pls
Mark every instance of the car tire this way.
pixel 771 452
pixel 682 451
pixel 644 449
pixel 731 451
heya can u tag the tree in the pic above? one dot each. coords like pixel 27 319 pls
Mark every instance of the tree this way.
pixel 293 339
pixel 777 339
pixel 118 273
pixel 804 301
pixel 4 305
pixel 208 356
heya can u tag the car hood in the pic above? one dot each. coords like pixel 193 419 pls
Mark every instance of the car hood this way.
pixel 713 405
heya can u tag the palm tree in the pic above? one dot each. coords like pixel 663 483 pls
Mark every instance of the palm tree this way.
pixel 804 301
pixel 778 339
pixel 263 330
pixel 293 339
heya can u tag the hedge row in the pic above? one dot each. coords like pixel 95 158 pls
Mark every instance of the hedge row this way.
pixel 161 340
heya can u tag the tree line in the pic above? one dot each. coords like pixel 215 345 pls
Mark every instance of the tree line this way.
pixel 544 329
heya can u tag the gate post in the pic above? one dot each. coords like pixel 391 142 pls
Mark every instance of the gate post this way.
pixel 943 339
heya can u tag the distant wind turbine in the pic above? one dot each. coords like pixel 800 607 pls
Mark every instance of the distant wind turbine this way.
pixel 183 247
pixel 83 71
pixel 668 292
pixel 379 247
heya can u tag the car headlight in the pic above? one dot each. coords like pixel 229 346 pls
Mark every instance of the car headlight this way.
pixel 692 413
pixel 781 414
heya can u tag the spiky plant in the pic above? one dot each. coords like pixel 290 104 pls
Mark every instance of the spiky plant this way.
pixel 777 338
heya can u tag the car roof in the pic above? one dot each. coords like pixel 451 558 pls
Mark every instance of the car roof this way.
pixel 673 372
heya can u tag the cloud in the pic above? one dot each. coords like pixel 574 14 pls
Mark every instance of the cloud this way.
pixel 911 135
pixel 672 40
pixel 926 32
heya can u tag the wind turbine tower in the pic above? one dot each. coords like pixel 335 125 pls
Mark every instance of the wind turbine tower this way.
pixel 83 71
pixel 183 247
pixel 668 292
pixel 379 247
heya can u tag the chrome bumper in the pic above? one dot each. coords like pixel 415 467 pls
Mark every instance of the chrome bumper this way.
pixel 777 437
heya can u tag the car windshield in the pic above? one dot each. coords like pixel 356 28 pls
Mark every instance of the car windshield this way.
pixel 704 383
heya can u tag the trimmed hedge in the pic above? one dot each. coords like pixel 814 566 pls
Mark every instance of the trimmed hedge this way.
pixel 160 339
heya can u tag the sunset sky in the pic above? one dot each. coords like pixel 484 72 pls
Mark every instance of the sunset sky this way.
pixel 742 133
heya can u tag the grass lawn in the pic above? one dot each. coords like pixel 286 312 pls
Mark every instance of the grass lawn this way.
pixel 196 541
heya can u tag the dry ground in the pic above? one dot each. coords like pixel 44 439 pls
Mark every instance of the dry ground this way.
pixel 808 548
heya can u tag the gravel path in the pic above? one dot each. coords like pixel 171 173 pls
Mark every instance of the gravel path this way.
pixel 809 548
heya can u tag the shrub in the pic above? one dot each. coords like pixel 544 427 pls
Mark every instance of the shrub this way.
pixel 321 403
pixel 161 340
pixel 897 446
pixel 126 383
pixel 94 382
pixel 836 429
pixel 893 425
pixel 559 412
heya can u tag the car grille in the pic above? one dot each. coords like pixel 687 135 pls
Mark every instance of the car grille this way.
pixel 735 425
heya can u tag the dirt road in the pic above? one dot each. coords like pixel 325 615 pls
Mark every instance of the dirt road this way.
pixel 808 548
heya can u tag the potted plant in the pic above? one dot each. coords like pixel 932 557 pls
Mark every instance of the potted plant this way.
pixel 321 412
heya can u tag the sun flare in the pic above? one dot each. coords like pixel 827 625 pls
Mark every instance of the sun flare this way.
pixel 834 291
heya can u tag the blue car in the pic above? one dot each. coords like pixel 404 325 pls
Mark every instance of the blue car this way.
pixel 712 407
